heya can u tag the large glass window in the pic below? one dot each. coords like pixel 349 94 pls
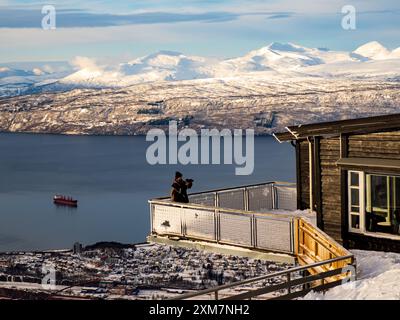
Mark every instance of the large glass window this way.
pixel 382 211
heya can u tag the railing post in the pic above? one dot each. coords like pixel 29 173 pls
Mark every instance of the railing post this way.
pixel 183 221
pixel 216 295
pixel 246 199
pixel 273 196
pixel 295 233
pixel 216 225
pixel 253 231
pixel 216 217
pixel 288 281
pixel 151 217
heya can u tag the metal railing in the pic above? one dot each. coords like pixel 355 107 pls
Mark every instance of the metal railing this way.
pixel 326 263
pixel 258 197
pixel 292 283
pixel 244 216
pixel 233 216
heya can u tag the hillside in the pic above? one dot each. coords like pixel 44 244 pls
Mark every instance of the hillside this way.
pixel 266 89
pixel 266 103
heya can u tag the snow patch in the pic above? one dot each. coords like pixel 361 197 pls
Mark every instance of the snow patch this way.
pixel 378 275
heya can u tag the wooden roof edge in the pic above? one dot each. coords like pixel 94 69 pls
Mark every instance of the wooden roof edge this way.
pixel 283 136
pixel 367 124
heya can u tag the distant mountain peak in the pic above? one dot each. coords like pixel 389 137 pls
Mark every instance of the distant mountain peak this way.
pixel 168 53
pixel 371 44
pixel 278 46
pixel 373 50
pixel 160 53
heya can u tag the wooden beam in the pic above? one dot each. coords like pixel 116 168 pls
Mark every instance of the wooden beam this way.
pixel 311 173
pixel 344 151
pixel 317 183
pixel 298 177
pixel 359 125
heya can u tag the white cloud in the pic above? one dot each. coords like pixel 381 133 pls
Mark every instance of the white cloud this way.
pixel 85 63
pixel 37 71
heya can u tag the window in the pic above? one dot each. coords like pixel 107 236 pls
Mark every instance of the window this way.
pixel 382 212
pixel 355 193
pixel 373 203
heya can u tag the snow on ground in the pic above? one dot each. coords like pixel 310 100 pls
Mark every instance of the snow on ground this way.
pixel 147 271
pixel 378 278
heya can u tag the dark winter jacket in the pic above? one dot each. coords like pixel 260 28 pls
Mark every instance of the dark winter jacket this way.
pixel 179 190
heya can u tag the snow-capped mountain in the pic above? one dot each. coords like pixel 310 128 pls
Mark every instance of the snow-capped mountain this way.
pixel 374 51
pixel 160 66
pixel 15 81
pixel 169 65
pixel 371 60
pixel 283 57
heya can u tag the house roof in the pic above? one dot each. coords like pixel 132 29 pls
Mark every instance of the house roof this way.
pixel 332 128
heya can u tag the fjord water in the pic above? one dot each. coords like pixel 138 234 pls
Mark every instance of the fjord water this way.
pixel 112 180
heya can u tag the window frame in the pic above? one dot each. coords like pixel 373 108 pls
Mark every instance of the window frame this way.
pixel 361 202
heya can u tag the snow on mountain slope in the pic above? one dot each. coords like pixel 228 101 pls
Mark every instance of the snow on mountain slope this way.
pixel 373 50
pixel 278 56
pixel 92 78
pixel 16 81
pixel 383 70
pixel 286 60
pixel 214 103
pixel 160 66
pixel 169 65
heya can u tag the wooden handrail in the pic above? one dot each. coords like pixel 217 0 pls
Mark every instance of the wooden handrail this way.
pixel 312 244
pixel 322 242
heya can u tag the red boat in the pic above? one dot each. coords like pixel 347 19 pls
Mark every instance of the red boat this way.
pixel 65 201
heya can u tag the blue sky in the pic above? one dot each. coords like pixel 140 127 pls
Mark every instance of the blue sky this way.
pixel 121 30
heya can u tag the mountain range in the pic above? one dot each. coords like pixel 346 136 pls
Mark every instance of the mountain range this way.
pixel 370 61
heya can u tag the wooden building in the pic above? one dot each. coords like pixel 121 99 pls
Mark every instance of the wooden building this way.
pixel 348 172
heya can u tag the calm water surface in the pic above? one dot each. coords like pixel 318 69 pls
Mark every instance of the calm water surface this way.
pixel 112 181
